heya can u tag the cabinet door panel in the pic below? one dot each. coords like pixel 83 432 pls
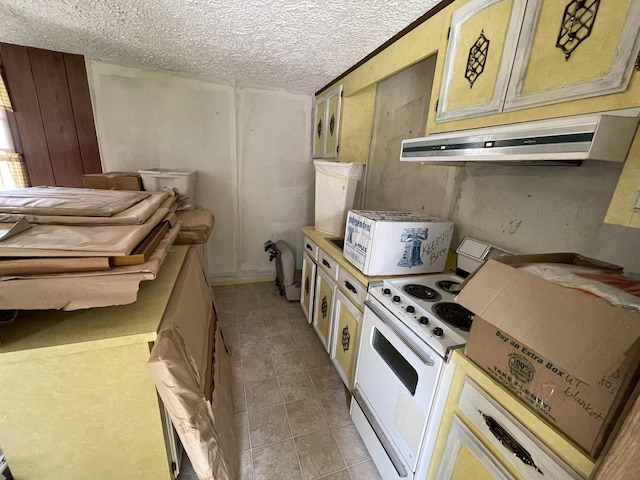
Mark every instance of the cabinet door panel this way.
pixel 319 129
pixel 466 457
pixel 499 22
pixel 346 334
pixel 601 64
pixel 323 308
pixel 334 101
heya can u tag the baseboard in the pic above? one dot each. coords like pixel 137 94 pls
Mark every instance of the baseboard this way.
pixel 217 282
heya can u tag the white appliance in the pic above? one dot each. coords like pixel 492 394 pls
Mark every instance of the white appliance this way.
pixel 559 141
pixel 402 377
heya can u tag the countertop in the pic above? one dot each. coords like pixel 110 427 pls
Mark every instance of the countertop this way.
pixel 44 333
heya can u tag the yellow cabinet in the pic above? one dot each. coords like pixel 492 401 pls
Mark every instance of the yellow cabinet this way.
pixel 323 307
pixel 512 54
pixel 347 320
pixel 480 51
pixel 484 429
pixel 568 50
pixel 326 130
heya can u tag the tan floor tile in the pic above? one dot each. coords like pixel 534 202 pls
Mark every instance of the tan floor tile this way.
pixel 254 333
pixel 296 387
pixel 236 369
pixel 239 398
pixel 242 429
pixel 350 444
pixel 268 425
pixel 341 475
pixel 278 327
pixel 365 471
pixel 263 393
pixel 255 347
pixel 246 466
pixel 288 363
pixel 282 343
pixel 257 368
pixel 276 462
pixel 314 355
pixel 319 454
pixel 336 406
pixel 306 416
pixel 324 379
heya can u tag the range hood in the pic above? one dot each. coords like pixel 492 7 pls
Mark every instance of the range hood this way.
pixel 559 141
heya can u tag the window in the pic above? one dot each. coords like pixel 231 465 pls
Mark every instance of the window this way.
pixel 12 171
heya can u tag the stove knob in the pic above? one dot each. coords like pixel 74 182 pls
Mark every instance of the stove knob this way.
pixel 423 321
pixel 396 299
pixel 438 332
pixel 386 292
pixel 410 309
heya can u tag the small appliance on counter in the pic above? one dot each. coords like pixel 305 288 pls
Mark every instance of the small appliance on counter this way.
pixel 402 378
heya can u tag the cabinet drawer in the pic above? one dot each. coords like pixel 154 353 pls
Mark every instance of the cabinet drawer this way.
pixel 328 264
pixel 519 448
pixel 353 288
pixel 310 248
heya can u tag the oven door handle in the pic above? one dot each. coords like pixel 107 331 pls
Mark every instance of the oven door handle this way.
pixel 386 446
pixel 408 342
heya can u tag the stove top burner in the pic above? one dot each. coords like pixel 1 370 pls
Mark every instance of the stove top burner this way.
pixel 448 286
pixel 454 314
pixel 422 292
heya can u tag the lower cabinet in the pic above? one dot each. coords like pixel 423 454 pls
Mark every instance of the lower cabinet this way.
pixel 308 286
pixel 346 332
pixel 485 433
pixel 466 457
pixel 323 307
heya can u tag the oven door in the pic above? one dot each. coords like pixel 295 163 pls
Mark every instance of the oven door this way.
pixel 397 375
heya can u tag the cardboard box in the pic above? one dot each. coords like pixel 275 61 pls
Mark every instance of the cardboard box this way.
pixel 570 356
pixel 113 181
pixel 396 243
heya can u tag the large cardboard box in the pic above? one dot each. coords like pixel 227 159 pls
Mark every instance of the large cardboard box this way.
pixel 570 356
pixel 396 243
pixel 113 181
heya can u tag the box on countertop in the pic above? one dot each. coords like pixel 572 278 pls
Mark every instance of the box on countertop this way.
pixel 113 181
pixel 571 356
pixel 396 243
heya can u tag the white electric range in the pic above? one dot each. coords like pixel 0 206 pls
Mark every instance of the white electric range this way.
pixel 410 326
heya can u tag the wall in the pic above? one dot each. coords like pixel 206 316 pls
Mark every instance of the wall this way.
pixel 250 147
pixel 525 209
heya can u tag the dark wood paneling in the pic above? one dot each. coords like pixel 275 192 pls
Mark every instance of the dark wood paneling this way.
pixel 24 98
pixel 50 79
pixel 83 113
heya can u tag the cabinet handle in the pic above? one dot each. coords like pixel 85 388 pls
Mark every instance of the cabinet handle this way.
pixel 509 442
pixel 325 263
pixel 350 287
pixel 309 248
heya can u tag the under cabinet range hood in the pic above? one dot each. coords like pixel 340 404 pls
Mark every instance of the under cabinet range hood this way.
pixel 559 141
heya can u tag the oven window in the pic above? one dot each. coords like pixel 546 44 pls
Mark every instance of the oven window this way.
pixel 397 363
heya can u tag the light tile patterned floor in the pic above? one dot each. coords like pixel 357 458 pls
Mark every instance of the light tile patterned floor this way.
pixel 290 404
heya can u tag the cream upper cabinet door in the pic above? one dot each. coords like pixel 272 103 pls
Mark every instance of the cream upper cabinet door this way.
pixel 480 52
pixel 600 43
pixel 327 124
pixel 319 128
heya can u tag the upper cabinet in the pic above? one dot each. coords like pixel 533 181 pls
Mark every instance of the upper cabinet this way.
pixel 512 54
pixel 480 52
pixel 326 129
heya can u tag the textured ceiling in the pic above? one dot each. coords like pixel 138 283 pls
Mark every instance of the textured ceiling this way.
pixel 298 45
